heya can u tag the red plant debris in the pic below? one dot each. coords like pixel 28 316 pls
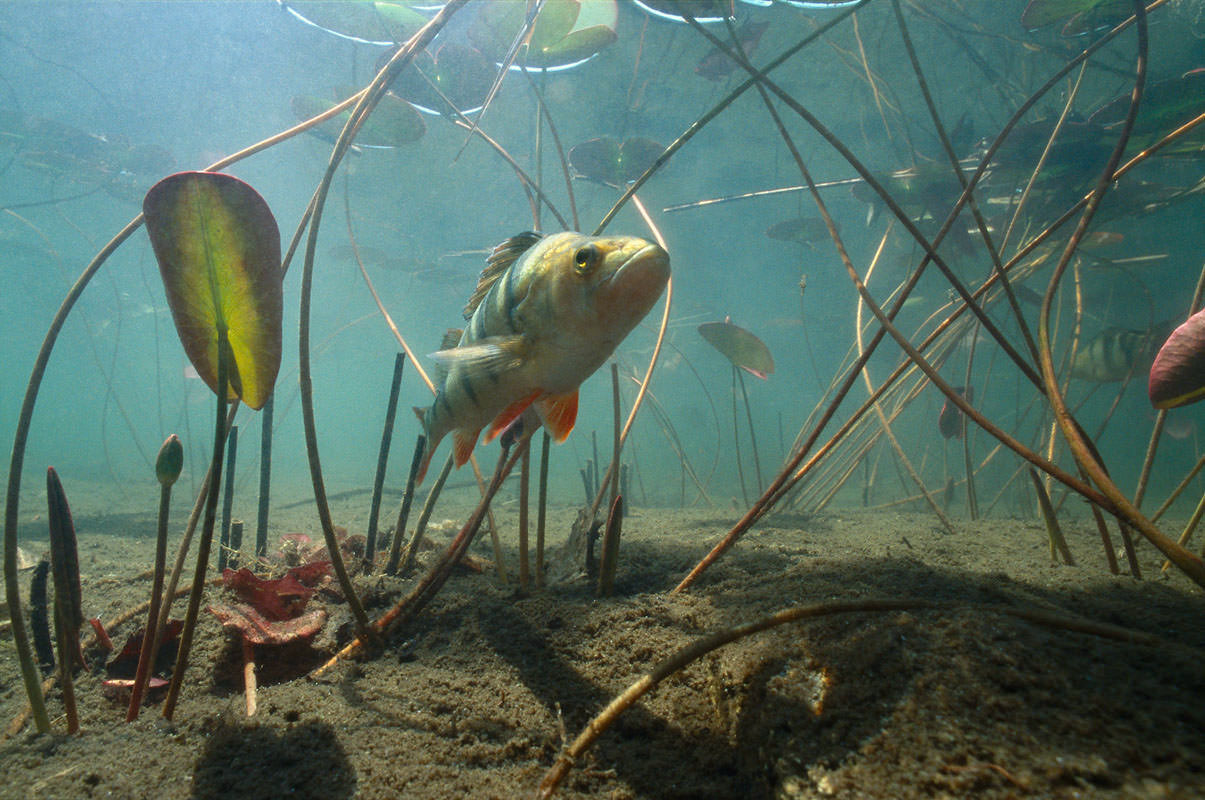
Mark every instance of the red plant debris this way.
pixel 272 610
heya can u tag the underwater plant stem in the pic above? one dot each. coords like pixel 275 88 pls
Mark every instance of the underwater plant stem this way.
pixel 701 647
pixel 368 100
pixel 885 424
pixel 542 508
pixel 393 563
pixel 424 514
pixel 146 654
pixel 718 108
pixel 1161 417
pixel 524 559
pixel 761 484
pixel 422 593
pixel 265 477
pixel 378 484
pixel 616 444
pixel 67 659
pixel 227 499
pixel 1188 562
pixel 736 442
pixel 648 374
pixel 610 548
pixel 203 546
pixel 1054 532
pixel 697 649
pixel 249 686
pixel 29 670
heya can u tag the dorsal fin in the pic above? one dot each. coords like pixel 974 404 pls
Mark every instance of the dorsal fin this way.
pixel 498 262
pixel 450 340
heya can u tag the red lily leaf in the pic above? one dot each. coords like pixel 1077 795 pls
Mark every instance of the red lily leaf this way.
pixel 125 663
pixel 279 598
pixel 258 629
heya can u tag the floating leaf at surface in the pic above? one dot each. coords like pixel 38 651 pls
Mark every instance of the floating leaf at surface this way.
pixel 393 122
pixel 218 249
pixel 739 346
pixel 359 20
pixel 608 161
pixel 1040 13
pixel 805 230
pixel 462 74
pixel 1178 372
pixel 565 32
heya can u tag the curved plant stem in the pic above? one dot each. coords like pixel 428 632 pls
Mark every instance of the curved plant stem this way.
pixel 368 100
pixel 211 508
pixel 701 647
pixel 1189 563
pixel 422 593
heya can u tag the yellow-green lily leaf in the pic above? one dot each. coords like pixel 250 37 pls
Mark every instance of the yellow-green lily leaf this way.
pixel 218 249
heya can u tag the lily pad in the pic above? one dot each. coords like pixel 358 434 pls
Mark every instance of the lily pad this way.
pixel 392 123
pixel 566 32
pixel 701 10
pixel 739 346
pixel 805 230
pixel 1040 13
pixel 218 249
pixel 359 20
pixel 610 162
pixel 462 74
pixel 1178 372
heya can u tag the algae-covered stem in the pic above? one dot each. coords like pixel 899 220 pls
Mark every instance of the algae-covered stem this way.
pixel 265 477
pixel 785 479
pixel 378 483
pixel 425 589
pixel 368 100
pixel 211 508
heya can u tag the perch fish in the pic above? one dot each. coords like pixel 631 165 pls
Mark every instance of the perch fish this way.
pixel 547 312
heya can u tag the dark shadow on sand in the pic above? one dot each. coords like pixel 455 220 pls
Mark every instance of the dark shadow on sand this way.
pixel 302 761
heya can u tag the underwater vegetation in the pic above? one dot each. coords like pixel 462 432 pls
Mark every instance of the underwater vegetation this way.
pixel 1008 234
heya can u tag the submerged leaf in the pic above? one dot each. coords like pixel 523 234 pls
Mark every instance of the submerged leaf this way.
pixel 739 346
pixel 612 163
pixel 393 122
pixel 218 249
pixel 1178 373
pixel 359 20
pixel 565 31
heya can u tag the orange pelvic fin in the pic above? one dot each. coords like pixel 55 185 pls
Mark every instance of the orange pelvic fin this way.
pixel 508 416
pixel 462 445
pixel 559 412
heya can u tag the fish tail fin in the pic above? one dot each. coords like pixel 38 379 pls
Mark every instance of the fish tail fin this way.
pixel 428 446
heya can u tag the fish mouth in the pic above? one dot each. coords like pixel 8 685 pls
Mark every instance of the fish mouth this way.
pixel 649 255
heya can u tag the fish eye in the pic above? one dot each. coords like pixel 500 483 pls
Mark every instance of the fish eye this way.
pixel 584 258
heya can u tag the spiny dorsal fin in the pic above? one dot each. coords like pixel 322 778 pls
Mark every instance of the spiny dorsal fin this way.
pixel 450 340
pixel 497 263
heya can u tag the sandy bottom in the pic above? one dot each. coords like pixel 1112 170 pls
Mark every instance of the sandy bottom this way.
pixel 475 698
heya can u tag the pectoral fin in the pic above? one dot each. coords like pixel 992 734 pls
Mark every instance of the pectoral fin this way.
pixel 493 355
pixel 509 415
pixel 559 412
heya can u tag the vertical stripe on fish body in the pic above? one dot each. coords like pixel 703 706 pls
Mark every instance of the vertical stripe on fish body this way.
pixel 1114 354
pixel 547 312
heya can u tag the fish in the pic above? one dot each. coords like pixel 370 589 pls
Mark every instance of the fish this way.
pixel 1115 353
pixel 950 420
pixel 716 65
pixel 548 310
